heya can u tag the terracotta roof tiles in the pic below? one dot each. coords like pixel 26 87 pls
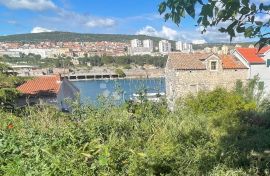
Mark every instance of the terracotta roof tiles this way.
pixel 194 61
pixel 44 84
pixel 183 61
pixel 230 62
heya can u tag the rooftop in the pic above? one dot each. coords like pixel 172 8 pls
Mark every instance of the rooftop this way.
pixel 42 84
pixel 251 55
pixel 184 61
pixel 194 61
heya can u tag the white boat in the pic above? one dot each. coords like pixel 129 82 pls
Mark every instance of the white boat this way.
pixel 155 97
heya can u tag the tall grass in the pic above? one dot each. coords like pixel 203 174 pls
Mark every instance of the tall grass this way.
pixel 213 133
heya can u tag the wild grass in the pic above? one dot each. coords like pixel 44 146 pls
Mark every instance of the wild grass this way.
pixel 213 133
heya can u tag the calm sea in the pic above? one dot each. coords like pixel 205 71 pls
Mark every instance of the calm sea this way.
pixel 121 89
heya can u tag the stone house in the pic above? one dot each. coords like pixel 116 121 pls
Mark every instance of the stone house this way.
pixel 190 73
pixel 47 90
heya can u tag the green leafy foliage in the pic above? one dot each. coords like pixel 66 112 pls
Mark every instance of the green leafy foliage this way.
pixel 120 72
pixel 8 93
pixel 241 16
pixel 213 133
pixel 158 61
pixel 75 37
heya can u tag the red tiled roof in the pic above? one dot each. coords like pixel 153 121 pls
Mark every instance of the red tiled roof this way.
pixel 194 61
pixel 264 50
pixel 230 62
pixel 250 54
pixel 44 84
pixel 184 61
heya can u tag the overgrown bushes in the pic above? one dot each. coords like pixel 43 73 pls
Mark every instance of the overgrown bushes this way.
pixel 208 134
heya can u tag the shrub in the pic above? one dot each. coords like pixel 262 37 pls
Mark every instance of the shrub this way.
pixel 203 138
pixel 120 73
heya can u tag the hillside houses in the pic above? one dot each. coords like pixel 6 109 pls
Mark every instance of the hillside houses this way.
pixel 190 73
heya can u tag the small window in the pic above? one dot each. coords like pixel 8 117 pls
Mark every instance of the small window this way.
pixel 268 63
pixel 213 65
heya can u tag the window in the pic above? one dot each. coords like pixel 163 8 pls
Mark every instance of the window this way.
pixel 268 62
pixel 213 65
pixel 193 88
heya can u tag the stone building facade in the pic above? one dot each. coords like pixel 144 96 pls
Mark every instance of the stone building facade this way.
pixel 190 73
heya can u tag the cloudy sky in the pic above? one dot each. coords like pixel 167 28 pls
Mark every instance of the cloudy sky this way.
pixel 99 16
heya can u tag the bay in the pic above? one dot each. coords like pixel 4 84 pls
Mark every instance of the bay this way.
pixel 118 89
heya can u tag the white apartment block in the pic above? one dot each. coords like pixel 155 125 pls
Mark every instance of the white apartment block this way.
pixel 183 47
pixel 148 44
pixel 225 49
pixel 139 47
pixel 179 46
pixel 165 46
pixel 135 43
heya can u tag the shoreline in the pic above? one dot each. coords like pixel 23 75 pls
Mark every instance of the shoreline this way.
pixel 125 78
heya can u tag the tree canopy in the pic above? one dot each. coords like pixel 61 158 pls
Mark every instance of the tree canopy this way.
pixel 234 16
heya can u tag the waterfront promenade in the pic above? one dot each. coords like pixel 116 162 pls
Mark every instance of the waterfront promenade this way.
pixel 109 74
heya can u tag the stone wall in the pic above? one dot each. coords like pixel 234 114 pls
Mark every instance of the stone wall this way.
pixel 179 83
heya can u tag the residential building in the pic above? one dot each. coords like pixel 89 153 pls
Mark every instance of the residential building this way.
pixel 190 73
pixel 145 47
pixel 165 46
pixel 187 48
pixel 135 43
pixel 258 63
pixel 225 49
pixel 179 46
pixel 48 90
pixel 207 49
pixel 148 44
pixel 215 50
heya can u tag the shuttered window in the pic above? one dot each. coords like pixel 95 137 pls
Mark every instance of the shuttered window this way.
pixel 268 63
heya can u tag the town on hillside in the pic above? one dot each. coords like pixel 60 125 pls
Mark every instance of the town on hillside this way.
pixel 185 70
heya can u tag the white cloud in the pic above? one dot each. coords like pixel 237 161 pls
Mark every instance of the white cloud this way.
pixel 107 22
pixel 84 21
pixel 12 22
pixel 40 30
pixel 165 32
pixel 212 35
pixel 171 34
pixel 35 5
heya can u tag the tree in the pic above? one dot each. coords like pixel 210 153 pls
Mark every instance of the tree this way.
pixel 120 72
pixel 243 16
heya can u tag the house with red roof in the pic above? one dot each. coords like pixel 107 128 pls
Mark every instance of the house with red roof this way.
pixel 190 73
pixel 258 63
pixel 49 89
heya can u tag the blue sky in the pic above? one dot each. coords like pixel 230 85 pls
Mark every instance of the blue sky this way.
pixel 98 16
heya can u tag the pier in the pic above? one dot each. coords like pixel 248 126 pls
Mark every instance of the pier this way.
pixel 90 76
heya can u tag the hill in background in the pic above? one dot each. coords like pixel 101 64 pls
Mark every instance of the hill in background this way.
pixel 77 37
pixel 74 37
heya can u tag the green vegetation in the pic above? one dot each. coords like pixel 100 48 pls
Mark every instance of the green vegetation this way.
pixel 158 61
pixel 35 60
pixel 242 16
pixel 120 72
pixel 214 133
pixel 75 37
pixel 8 84
pixel 62 61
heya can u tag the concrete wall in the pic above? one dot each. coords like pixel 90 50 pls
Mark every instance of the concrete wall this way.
pixel 258 69
pixel 264 74
pixel 67 92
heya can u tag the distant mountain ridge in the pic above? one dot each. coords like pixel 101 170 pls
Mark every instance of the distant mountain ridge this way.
pixel 81 37
pixel 74 37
